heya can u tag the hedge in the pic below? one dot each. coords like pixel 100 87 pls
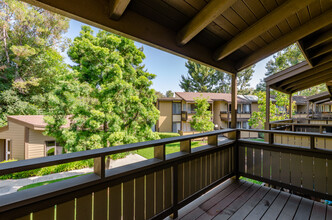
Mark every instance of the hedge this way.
pixel 49 170
pixel 163 135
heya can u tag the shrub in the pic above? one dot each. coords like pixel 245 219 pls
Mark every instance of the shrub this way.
pixel 49 170
pixel 167 134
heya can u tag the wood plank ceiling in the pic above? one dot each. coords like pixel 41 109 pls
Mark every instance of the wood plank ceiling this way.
pixel 228 35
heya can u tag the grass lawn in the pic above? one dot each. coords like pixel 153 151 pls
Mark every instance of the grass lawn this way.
pixel 170 148
pixel 46 182
pixel 257 139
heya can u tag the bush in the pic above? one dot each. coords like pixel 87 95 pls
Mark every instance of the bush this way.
pixel 163 135
pixel 49 170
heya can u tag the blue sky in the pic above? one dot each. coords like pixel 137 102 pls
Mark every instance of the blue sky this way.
pixel 167 67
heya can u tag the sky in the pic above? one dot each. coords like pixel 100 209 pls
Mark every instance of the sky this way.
pixel 167 67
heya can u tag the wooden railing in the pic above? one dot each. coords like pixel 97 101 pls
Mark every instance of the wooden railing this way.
pixel 297 161
pixel 159 187
pixel 151 189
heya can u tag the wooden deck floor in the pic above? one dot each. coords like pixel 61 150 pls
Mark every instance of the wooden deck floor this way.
pixel 243 200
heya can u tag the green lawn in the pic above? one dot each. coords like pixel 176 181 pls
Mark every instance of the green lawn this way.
pixel 257 139
pixel 46 182
pixel 170 148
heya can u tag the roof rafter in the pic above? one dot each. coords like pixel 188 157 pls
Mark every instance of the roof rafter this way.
pixel 117 8
pixel 287 39
pixel 262 25
pixel 319 40
pixel 203 18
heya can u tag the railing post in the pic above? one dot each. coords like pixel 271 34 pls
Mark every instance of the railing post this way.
pixel 271 138
pixel 213 140
pixel 175 191
pixel 312 142
pixel 185 146
pixel 99 166
pixel 159 152
pixel 236 154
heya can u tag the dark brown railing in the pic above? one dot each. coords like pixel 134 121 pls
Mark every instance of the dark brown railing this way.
pixel 298 161
pixel 153 188
pixel 159 187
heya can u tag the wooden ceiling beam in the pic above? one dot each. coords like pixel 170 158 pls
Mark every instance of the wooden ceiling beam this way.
pixel 271 19
pixel 329 87
pixel 134 26
pixel 323 59
pixel 305 53
pixel 321 51
pixel 287 39
pixel 319 40
pixel 117 8
pixel 203 18
pixel 311 81
pixel 323 101
pixel 305 74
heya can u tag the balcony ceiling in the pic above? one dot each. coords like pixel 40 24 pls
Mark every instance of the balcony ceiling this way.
pixel 228 35
pixel 320 98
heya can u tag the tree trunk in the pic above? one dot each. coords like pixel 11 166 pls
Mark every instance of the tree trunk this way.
pixel 4 31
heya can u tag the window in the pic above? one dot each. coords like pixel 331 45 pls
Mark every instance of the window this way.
pixel 153 127
pixel 245 125
pixel 53 148
pixel 176 127
pixel 238 124
pixel 239 108
pixel 184 107
pixel 246 108
pixel 230 108
pixel 176 108
pixel 192 108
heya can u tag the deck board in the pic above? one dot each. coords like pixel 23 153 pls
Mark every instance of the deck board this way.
pixel 244 200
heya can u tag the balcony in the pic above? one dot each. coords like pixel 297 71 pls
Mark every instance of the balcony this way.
pixel 165 185
pixel 306 125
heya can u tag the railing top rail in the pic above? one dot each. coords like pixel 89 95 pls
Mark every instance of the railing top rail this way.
pixel 304 124
pixel 275 122
pixel 288 132
pixel 29 164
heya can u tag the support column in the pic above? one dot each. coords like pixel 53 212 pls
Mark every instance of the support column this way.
pixel 234 102
pixel 308 104
pixel 290 106
pixel 267 116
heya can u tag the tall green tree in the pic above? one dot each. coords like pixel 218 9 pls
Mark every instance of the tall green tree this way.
pixel 30 62
pixel 169 93
pixel 258 118
pixel 285 58
pixel 201 120
pixel 201 78
pixel 108 98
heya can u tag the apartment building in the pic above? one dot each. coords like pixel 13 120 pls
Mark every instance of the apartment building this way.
pixel 176 112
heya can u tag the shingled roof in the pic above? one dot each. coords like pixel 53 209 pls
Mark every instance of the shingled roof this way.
pixel 35 122
pixel 227 97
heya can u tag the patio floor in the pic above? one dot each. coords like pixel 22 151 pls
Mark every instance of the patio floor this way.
pixel 244 200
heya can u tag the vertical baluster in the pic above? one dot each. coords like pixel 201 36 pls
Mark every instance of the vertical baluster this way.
pixel 100 204
pixel 295 170
pixel 285 168
pixel 65 210
pixel 266 164
pixel 307 172
pixel 250 165
pixel 258 165
pixel 115 202
pixel 139 198
pixel 84 207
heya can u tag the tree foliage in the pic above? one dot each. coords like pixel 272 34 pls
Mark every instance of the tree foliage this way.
pixel 30 63
pixel 201 120
pixel 201 78
pixel 258 118
pixel 169 93
pixel 107 97
pixel 284 59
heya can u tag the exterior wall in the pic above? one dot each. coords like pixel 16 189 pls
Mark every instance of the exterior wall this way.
pixel 301 108
pixel 254 107
pixel 15 133
pixel 165 119
pixel 36 146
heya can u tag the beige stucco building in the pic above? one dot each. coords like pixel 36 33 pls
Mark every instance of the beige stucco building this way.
pixel 176 112
pixel 23 138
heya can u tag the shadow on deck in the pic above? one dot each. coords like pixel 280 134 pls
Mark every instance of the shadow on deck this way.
pixel 244 200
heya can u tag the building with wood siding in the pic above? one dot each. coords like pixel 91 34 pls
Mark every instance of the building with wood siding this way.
pixel 23 138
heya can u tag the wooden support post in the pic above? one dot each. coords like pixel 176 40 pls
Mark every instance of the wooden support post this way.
pixel 267 121
pixel 308 104
pixel 185 146
pixel 159 152
pixel 99 166
pixel 290 106
pixel 234 102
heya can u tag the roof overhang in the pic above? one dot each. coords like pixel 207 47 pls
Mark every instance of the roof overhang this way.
pixel 320 98
pixel 227 35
